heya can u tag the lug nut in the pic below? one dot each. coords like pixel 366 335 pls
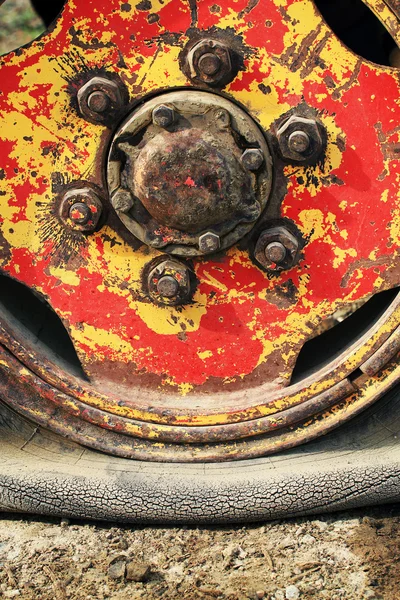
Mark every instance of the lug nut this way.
pixel 275 252
pixel 80 213
pixel 80 209
pixel 252 159
pixel 276 249
pixel 168 286
pixel 169 283
pixel 300 139
pixel 163 116
pixel 98 101
pixel 299 142
pixel 209 61
pixel 209 242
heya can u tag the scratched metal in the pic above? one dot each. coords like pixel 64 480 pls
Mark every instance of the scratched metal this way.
pixel 227 356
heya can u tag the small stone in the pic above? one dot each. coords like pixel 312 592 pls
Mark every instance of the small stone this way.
pixel 319 584
pixel 117 569
pixel 322 525
pixel 11 593
pixel 279 595
pixel 260 594
pixel 137 571
pixel 123 544
pixel 370 594
pixel 287 542
pixel 292 592
pixel 308 539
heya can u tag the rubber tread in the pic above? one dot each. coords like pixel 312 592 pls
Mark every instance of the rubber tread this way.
pixel 357 465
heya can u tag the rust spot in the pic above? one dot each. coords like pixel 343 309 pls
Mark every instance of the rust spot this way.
pixel 284 295
pixel 144 5
pixel 265 89
pixel 250 6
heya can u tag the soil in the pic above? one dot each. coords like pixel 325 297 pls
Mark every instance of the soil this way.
pixel 350 556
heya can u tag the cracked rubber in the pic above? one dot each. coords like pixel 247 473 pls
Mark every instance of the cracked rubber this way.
pixel 356 465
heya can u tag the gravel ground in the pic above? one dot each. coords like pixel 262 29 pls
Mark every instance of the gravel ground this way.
pixel 345 556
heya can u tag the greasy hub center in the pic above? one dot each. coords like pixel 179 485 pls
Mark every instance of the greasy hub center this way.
pixel 189 172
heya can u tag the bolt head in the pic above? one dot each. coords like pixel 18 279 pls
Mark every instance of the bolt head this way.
pixel 98 101
pixel 275 252
pixel 299 142
pixel 276 249
pixel 163 116
pixel 169 283
pixel 209 242
pixel 80 213
pixel 209 64
pixel 300 139
pixel 168 286
pixel 252 159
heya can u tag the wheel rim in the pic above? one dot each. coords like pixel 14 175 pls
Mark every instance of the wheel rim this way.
pixel 208 378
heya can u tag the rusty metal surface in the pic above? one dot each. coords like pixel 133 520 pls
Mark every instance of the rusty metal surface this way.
pixel 205 354
pixel 383 355
pixel 179 163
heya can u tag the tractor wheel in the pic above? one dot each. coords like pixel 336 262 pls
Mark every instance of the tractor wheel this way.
pixel 199 261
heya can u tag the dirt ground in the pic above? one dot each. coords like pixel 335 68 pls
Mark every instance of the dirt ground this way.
pixel 352 556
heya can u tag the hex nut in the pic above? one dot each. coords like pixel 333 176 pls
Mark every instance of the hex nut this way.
pixel 100 98
pixel 252 159
pixel 169 282
pixel 122 200
pixel 209 61
pixel 284 237
pixel 73 213
pixel 300 139
pixel 163 116
pixel 209 242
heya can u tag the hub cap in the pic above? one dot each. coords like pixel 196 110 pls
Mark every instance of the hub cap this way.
pixel 176 171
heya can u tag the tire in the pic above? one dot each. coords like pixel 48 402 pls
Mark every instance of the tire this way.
pixel 354 466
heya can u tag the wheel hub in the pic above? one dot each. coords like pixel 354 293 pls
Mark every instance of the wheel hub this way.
pixel 189 164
